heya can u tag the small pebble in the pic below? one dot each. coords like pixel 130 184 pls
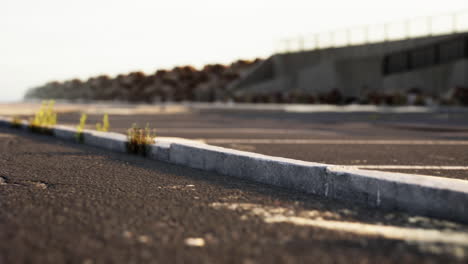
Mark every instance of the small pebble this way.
pixel 143 239
pixel 195 242
pixel 127 234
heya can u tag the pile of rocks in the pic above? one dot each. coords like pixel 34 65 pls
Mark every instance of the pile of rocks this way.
pixel 454 96
pixel 179 84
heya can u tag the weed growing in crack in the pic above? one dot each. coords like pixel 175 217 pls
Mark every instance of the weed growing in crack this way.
pixel 139 139
pixel 104 127
pixel 79 129
pixel 44 119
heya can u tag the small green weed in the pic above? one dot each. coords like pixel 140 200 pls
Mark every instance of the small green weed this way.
pixel 139 139
pixel 44 119
pixel 104 127
pixel 16 122
pixel 79 129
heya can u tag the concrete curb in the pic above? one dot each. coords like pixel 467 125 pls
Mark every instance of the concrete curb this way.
pixel 425 195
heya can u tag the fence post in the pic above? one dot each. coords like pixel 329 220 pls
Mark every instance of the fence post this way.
pixel 317 41
pixel 454 22
pixel 301 43
pixel 429 26
pixel 332 39
pixel 366 34
pixel 286 46
pixel 408 26
pixel 348 37
pixel 407 29
pixel 385 32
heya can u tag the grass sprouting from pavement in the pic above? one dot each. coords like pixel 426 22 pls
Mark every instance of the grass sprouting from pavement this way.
pixel 139 139
pixel 104 127
pixel 79 129
pixel 44 119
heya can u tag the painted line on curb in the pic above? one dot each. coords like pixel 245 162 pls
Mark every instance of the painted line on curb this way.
pixel 417 194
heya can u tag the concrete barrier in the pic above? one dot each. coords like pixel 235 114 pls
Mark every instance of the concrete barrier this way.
pixel 64 132
pixel 106 140
pixel 418 194
pixel 426 195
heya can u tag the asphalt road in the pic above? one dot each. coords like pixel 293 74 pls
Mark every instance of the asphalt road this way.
pixel 62 202
pixel 422 143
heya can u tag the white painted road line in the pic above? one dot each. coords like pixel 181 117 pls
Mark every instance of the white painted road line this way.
pixel 456 242
pixel 405 167
pixel 332 141
pixel 279 215
pixel 240 130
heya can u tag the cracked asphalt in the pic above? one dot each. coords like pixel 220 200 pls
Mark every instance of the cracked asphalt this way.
pixel 62 202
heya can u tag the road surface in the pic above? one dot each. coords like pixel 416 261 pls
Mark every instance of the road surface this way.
pixel 62 202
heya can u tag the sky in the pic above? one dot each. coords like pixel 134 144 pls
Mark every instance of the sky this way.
pixel 45 40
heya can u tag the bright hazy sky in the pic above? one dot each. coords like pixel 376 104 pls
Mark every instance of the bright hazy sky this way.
pixel 44 40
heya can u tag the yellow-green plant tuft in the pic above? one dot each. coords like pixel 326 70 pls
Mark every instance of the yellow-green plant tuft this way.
pixel 139 139
pixel 79 129
pixel 44 119
pixel 104 127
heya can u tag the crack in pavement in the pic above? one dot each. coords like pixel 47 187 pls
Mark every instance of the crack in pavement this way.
pixel 38 184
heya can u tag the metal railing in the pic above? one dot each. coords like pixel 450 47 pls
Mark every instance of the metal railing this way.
pixel 456 22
